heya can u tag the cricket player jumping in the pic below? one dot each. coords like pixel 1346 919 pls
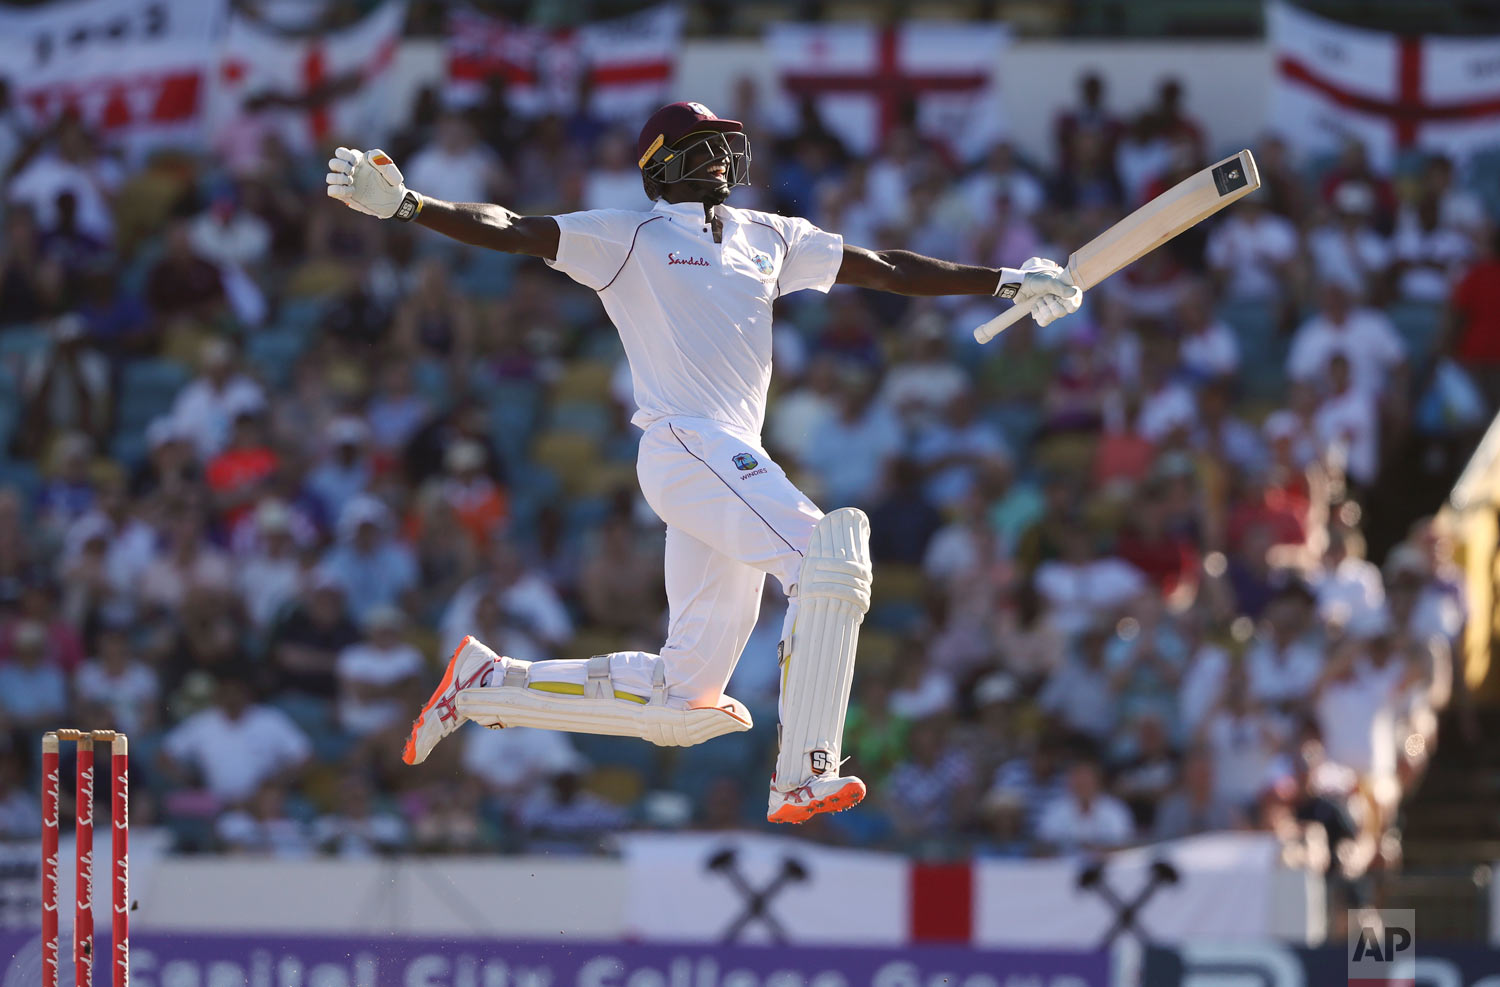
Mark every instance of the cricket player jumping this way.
pixel 690 284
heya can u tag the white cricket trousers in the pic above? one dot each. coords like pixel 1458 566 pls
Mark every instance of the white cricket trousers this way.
pixel 732 517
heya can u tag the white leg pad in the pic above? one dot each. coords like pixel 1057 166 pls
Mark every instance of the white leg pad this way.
pixel 833 596
pixel 598 707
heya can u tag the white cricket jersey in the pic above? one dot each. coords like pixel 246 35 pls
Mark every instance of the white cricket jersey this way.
pixel 695 315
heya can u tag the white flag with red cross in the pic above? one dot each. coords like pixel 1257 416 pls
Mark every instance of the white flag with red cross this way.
pixel 134 70
pixel 316 87
pixel 865 78
pixel 1391 92
pixel 624 64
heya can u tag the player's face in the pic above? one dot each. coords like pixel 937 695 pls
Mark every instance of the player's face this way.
pixel 705 169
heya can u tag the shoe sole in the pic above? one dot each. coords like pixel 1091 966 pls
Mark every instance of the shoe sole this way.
pixel 409 753
pixel 845 798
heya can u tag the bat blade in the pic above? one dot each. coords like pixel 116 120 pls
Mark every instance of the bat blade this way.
pixel 1176 210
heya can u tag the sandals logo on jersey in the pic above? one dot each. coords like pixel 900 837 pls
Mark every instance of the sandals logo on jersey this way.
pixel 744 461
pixel 672 258
pixel 763 264
pixel 819 762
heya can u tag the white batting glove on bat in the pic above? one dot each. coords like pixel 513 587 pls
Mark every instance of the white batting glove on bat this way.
pixel 371 183
pixel 1044 285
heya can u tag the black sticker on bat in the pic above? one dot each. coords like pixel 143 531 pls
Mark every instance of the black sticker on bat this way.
pixel 1230 176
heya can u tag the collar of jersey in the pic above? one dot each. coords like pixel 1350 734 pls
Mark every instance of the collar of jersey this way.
pixel 683 212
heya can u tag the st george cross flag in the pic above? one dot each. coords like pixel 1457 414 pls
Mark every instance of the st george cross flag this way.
pixel 316 87
pixel 863 77
pixel 626 62
pixel 137 70
pixel 1389 91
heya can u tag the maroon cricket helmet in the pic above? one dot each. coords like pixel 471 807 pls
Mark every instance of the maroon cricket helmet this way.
pixel 675 121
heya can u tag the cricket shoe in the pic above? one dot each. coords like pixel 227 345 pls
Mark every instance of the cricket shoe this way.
pixel 440 717
pixel 818 795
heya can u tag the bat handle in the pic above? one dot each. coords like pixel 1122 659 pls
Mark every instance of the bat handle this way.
pixel 1001 322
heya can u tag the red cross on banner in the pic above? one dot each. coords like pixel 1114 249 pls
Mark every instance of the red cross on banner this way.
pixel 1408 109
pixel 887 80
pixel 1333 81
pixel 864 79
pixel 314 72
pixel 319 86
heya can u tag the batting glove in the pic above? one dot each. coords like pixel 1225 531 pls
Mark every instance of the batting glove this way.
pixel 1042 284
pixel 371 183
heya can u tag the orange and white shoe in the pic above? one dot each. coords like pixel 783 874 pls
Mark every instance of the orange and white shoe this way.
pixel 440 716
pixel 833 794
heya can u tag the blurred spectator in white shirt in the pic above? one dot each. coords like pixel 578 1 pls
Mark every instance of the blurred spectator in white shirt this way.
pixel 271 575
pixel 852 452
pixel 263 827
pixel 369 563
pixel 187 564
pixel 1205 676
pixel 33 690
pixel 925 379
pixel 1081 692
pixel 614 179
pixel 115 683
pixel 1001 177
pixel 563 816
pixel 227 234
pixel 1208 348
pixel 1285 656
pixel 1363 336
pixel 1429 254
pixel 1348 425
pixel 1083 584
pixel 344 471
pixel 1351 593
pixel 235 746
pixel 797 417
pixel 1355 704
pixel 456 166
pixel 1252 252
pixel 956 449
pixel 396 409
pixel 360 827
pixel 1349 250
pixel 1243 740
pixel 526 605
pixel 1458 207
pixel 1086 817
pixel 206 407
pixel 1193 806
pixel 73 165
pixel 517 761
pixel 377 674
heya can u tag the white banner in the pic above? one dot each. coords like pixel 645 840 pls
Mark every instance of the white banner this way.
pixel 626 62
pixel 1224 891
pixel 1331 82
pixel 743 887
pixel 863 77
pixel 137 70
pixel 317 87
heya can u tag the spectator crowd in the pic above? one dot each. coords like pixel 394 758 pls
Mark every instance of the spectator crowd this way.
pixel 266 460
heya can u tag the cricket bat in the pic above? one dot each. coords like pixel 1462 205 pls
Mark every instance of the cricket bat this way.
pixel 1180 207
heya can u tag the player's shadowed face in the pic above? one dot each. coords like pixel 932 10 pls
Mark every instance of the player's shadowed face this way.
pixel 706 170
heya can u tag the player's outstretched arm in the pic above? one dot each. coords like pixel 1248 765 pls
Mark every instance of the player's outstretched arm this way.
pixel 906 273
pixel 370 182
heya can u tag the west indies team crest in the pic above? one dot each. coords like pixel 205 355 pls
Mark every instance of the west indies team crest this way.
pixel 763 264
pixel 744 461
